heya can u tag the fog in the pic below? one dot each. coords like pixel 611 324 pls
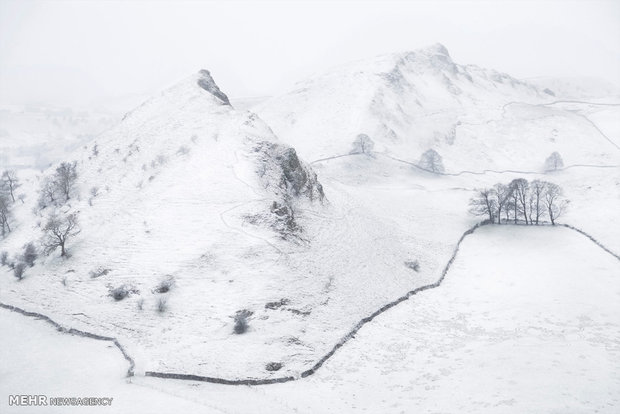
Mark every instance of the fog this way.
pixel 104 53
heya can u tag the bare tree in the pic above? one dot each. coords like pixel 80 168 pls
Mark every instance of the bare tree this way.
pixel 502 194
pixel 57 231
pixel 65 177
pixel 48 192
pixel 554 162
pixel 536 200
pixel 431 161
pixel 484 204
pixel 520 188
pixel 554 202
pixel 362 145
pixel 5 214
pixel 10 182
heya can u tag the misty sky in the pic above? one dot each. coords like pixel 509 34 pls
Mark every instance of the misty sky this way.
pixel 92 52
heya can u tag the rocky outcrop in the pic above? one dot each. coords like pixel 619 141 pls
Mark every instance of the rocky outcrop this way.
pixel 282 168
pixel 206 82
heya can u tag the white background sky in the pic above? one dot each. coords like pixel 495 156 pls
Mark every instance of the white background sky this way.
pixel 86 52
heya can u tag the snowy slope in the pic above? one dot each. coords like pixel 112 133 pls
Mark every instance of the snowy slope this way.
pixel 409 102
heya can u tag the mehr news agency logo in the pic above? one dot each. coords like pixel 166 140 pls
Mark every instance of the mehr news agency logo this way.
pixel 44 400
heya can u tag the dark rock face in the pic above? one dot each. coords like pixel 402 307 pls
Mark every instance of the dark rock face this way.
pixel 298 179
pixel 281 165
pixel 206 82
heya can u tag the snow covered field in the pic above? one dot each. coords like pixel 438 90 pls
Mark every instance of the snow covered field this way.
pixel 515 327
pixel 201 210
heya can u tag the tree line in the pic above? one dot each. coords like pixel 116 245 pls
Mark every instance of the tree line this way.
pixel 520 200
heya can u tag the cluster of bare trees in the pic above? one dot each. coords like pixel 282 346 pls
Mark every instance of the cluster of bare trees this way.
pixel 8 184
pixel 520 200
pixel 58 188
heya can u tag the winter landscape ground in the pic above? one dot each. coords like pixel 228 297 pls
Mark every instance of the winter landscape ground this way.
pixel 313 252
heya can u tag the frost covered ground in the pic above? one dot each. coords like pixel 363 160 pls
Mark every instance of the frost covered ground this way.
pixel 515 327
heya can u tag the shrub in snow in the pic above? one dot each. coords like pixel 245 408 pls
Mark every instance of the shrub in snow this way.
pixel 273 366
pixel 19 269
pixel 276 305
pixel 162 305
pixel 4 258
pixel 165 285
pixel 30 254
pixel 100 271
pixel 121 292
pixel 413 265
pixel 241 321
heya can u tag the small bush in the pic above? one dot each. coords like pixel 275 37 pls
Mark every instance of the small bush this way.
pixel 241 321
pixel 273 366
pixel 165 285
pixel 121 292
pixel 413 265
pixel 98 272
pixel 18 271
pixel 30 254
pixel 162 305
pixel 4 258
pixel 278 304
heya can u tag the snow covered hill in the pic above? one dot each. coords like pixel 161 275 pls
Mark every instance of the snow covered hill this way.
pixel 196 209
pixel 211 224
pixel 407 103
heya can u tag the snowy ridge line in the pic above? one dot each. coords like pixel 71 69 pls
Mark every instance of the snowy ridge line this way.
pixel 339 344
pixel 72 331
pixel 598 243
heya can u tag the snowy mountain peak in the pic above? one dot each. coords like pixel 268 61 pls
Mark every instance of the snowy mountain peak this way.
pixel 436 49
pixel 206 82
